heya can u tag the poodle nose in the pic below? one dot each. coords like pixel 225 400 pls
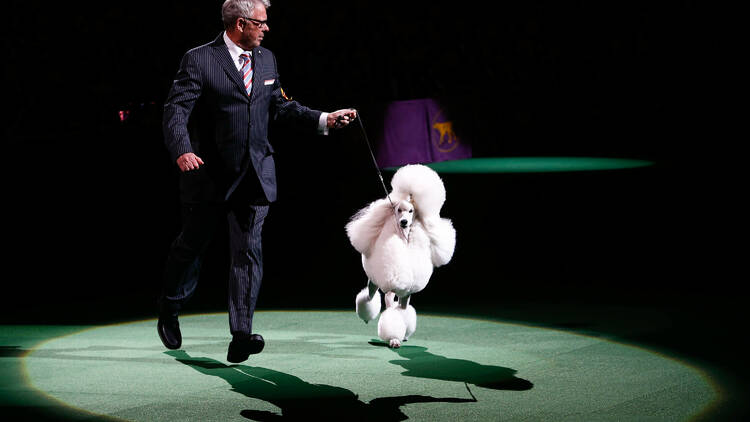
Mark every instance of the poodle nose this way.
pixel 404 223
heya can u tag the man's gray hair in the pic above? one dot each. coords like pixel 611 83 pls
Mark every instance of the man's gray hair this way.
pixel 232 10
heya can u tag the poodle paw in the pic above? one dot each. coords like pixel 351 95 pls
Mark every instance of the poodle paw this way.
pixel 394 343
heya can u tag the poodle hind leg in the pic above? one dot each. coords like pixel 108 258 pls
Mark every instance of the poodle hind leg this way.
pixel 372 288
pixel 367 302
pixel 404 301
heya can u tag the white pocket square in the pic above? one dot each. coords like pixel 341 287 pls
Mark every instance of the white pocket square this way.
pixel 269 81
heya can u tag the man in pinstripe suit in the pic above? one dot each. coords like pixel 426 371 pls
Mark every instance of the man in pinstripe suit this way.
pixel 216 129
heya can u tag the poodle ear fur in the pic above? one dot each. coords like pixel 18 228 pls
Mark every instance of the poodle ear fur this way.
pixel 364 227
pixel 442 240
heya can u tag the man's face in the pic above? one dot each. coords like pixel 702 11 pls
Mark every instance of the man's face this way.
pixel 253 32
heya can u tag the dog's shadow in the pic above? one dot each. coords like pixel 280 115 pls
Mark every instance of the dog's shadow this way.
pixel 299 399
pixel 420 363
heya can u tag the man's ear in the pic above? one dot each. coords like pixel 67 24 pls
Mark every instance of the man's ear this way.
pixel 238 26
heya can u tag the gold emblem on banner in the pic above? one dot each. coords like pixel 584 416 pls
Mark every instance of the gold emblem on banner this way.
pixel 447 141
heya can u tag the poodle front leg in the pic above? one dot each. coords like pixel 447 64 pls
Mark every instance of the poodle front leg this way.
pixel 391 326
pixel 398 322
pixel 390 299
pixel 410 316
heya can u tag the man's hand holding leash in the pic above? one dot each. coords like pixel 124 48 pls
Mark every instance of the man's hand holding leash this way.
pixel 341 118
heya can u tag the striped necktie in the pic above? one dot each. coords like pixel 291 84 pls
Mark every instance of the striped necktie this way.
pixel 247 71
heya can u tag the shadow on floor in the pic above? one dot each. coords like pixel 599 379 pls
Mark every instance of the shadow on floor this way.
pixel 420 363
pixel 12 351
pixel 301 400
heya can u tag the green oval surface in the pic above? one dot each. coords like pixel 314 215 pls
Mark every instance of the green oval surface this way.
pixel 330 364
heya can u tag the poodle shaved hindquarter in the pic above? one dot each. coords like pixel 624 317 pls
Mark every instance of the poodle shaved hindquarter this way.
pixel 399 251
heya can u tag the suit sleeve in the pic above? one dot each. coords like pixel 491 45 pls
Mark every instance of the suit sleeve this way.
pixel 185 91
pixel 289 111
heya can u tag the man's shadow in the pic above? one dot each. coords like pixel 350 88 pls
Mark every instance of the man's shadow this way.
pixel 301 400
pixel 420 363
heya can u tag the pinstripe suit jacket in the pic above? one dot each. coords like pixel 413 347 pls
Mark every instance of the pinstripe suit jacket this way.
pixel 209 113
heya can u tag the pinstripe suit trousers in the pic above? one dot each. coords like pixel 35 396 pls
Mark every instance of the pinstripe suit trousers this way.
pixel 244 219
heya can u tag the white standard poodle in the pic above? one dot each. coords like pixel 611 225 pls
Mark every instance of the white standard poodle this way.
pixel 401 239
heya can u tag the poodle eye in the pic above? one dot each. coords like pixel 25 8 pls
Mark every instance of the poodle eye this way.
pixel 411 211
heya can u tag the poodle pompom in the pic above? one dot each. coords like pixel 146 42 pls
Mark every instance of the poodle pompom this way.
pixel 367 309
pixel 423 184
pixel 442 239
pixel 410 318
pixel 365 225
pixel 392 327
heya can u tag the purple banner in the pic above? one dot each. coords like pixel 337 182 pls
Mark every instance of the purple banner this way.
pixel 418 132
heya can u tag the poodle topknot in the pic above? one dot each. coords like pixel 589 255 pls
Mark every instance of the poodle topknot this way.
pixel 423 185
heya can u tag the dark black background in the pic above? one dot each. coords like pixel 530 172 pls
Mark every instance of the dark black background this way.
pixel 91 202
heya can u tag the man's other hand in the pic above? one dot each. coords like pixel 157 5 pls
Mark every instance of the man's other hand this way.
pixel 189 161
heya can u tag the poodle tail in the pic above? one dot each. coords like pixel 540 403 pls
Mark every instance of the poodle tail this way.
pixel 442 240
pixel 364 227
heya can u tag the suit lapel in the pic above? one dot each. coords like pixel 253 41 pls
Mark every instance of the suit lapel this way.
pixel 221 53
pixel 257 70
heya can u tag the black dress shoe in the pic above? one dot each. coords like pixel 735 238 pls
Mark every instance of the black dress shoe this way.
pixel 169 332
pixel 242 347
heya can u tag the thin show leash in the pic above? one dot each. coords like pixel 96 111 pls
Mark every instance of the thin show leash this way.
pixel 375 162
pixel 372 156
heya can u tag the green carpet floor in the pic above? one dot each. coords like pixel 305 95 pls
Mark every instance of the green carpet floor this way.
pixel 331 365
pixel 533 164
